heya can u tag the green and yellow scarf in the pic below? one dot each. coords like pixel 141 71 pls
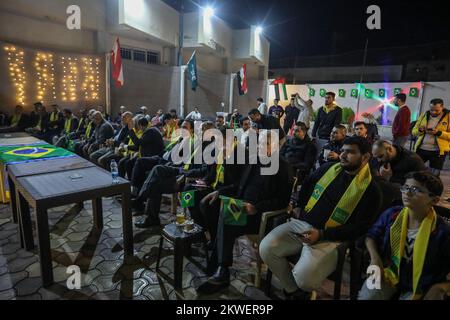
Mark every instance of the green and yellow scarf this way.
pixel 349 200
pixel 398 232
pixel 68 125
pixel 15 120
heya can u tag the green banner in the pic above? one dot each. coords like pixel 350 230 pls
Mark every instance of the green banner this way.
pixel 323 92
pixel 187 199
pixel 414 92
pixel 397 91
pixel 342 93
pixel 312 92
pixel 29 153
pixel 354 93
pixel 382 93
pixel 233 212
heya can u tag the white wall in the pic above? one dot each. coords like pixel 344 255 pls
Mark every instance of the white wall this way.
pixel 214 31
pixel 259 46
pixel 431 90
pixel 152 17
pixel 241 44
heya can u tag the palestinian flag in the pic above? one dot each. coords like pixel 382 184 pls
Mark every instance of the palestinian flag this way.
pixel 15 154
pixel 187 199
pixel 277 83
pixel 233 212
pixel 242 80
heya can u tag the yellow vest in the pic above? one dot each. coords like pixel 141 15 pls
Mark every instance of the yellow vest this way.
pixel 131 143
pixel 443 141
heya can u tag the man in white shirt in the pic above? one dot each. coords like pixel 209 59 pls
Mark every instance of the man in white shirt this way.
pixel 194 115
pixel 306 110
pixel 262 107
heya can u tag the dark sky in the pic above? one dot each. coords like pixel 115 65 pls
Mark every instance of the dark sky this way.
pixel 308 27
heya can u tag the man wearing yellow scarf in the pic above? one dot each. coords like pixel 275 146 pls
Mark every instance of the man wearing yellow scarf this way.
pixel 410 246
pixel 337 203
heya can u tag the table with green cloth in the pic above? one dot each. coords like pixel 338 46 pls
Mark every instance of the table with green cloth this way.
pixel 13 154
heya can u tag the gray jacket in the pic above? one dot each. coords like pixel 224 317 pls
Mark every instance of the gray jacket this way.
pixel 102 133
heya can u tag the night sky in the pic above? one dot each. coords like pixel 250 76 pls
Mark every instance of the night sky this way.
pixel 308 27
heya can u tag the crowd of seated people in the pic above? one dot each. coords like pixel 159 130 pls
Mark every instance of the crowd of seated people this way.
pixel 350 187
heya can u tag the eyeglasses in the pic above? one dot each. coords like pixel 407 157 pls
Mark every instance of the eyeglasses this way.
pixel 414 190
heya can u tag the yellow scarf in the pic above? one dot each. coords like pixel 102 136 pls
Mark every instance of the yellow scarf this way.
pixel 80 124
pixel 88 130
pixel 328 109
pixel 15 120
pixel 39 124
pixel 68 125
pixel 54 116
pixel 398 232
pixel 139 134
pixel 349 200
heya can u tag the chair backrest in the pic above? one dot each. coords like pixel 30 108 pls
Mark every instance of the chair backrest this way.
pixel 443 212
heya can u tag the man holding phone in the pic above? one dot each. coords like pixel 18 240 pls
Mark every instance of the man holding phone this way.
pixel 433 132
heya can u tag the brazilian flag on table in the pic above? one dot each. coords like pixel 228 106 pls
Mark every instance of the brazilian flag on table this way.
pixel 11 154
pixel 187 199
pixel 233 211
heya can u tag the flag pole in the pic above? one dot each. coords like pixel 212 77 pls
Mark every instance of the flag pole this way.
pixel 232 78
pixel 182 89
pixel 362 77
pixel 108 82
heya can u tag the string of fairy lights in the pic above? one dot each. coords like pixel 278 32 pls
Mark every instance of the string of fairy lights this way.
pixel 79 77
pixel 45 70
pixel 91 82
pixel 17 72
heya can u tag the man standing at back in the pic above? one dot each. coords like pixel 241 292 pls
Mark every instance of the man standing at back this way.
pixel 402 121
pixel 328 116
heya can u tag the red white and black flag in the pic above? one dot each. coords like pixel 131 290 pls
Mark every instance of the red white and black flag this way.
pixel 242 80
pixel 116 60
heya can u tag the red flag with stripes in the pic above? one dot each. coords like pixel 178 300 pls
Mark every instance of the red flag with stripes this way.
pixel 116 60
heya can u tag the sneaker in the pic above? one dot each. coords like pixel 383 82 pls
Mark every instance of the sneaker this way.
pixel 219 281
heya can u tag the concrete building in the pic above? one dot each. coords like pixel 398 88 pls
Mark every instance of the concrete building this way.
pixel 149 32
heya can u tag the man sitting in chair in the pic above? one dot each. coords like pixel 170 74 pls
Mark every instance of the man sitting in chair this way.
pixel 337 203
pixel 413 243
pixel 259 193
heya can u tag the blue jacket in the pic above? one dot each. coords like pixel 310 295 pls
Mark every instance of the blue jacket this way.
pixel 437 260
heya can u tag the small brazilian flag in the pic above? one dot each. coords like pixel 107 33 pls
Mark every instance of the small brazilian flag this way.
pixel 342 93
pixel 233 212
pixel 312 92
pixel 354 93
pixel 187 199
pixel 397 91
pixel 382 93
pixel 323 92
pixel 368 94
pixel 414 92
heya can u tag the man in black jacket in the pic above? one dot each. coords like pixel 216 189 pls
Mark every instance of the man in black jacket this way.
pixel 338 202
pixel 266 122
pixel 18 122
pixel 292 113
pixel 299 151
pixel 395 162
pixel 332 150
pixel 260 193
pixel 328 116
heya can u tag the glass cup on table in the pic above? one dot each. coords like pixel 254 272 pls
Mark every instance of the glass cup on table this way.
pixel 181 218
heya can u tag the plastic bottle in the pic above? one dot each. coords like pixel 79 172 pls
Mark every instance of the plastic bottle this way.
pixel 114 172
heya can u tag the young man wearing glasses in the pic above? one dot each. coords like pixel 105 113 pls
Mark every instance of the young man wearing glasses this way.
pixel 410 246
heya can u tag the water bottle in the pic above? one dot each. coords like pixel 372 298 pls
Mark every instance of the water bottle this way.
pixel 114 172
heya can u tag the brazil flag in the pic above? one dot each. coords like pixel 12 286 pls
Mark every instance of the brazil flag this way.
pixel 26 153
pixel 187 199
pixel 233 212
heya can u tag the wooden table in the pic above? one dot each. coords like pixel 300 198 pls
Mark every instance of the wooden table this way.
pixel 50 190
pixel 14 135
pixel 40 167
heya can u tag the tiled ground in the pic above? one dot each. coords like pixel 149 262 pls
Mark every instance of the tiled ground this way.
pixel 100 258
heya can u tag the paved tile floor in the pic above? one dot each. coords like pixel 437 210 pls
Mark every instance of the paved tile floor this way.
pixel 100 258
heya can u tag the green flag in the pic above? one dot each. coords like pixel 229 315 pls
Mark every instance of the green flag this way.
pixel 414 92
pixel 397 91
pixel 14 154
pixel 382 93
pixel 323 92
pixel 233 212
pixel 312 92
pixel 354 93
pixel 368 94
pixel 342 93
pixel 192 70
pixel 187 199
